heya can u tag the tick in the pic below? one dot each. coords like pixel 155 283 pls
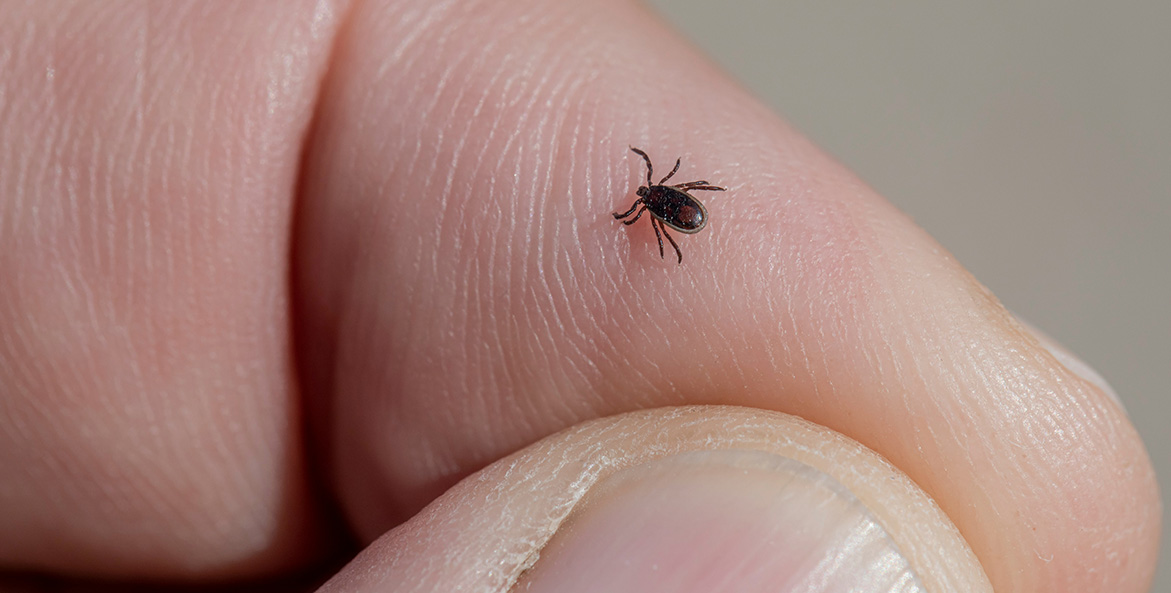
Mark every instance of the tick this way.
pixel 669 205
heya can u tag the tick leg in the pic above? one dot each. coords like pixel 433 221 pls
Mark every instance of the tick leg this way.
pixel 677 161
pixel 632 208
pixel 631 221
pixel 698 185
pixel 649 167
pixel 673 244
pixel 655 225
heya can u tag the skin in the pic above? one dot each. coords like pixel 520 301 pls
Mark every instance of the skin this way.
pixel 278 275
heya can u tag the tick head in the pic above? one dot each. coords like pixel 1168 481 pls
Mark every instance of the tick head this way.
pixel 643 191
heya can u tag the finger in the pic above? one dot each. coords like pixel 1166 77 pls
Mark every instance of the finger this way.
pixel 465 290
pixel 668 500
pixel 148 154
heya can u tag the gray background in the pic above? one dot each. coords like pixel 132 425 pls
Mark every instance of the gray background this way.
pixel 1032 139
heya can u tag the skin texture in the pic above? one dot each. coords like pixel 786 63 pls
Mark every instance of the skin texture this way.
pixel 278 272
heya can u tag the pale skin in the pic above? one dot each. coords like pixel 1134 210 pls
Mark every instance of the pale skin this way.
pixel 271 268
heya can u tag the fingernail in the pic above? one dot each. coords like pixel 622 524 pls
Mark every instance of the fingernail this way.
pixel 720 522
pixel 1070 361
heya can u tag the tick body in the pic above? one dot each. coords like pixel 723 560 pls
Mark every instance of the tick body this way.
pixel 669 205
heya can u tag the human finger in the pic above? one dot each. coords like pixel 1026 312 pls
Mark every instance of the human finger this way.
pixel 703 498
pixel 465 290
pixel 149 425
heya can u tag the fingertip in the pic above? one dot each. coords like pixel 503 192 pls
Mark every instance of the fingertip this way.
pixel 677 500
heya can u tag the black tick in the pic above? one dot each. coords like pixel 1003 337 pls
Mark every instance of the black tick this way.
pixel 669 205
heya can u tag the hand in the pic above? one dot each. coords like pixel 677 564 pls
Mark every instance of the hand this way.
pixel 279 274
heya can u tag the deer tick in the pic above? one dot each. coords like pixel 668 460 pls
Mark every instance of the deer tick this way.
pixel 669 205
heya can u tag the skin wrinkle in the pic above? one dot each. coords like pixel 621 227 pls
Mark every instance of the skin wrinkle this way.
pixel 929 480
pixel 1018 463
pixel 411 29
pixel 505 152
pixel 559 283
pixel 461 141
pixel 555 322
pixel 496 272
pixel 440 45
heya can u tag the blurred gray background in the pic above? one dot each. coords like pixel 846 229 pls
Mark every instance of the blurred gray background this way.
pixel 1032 139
